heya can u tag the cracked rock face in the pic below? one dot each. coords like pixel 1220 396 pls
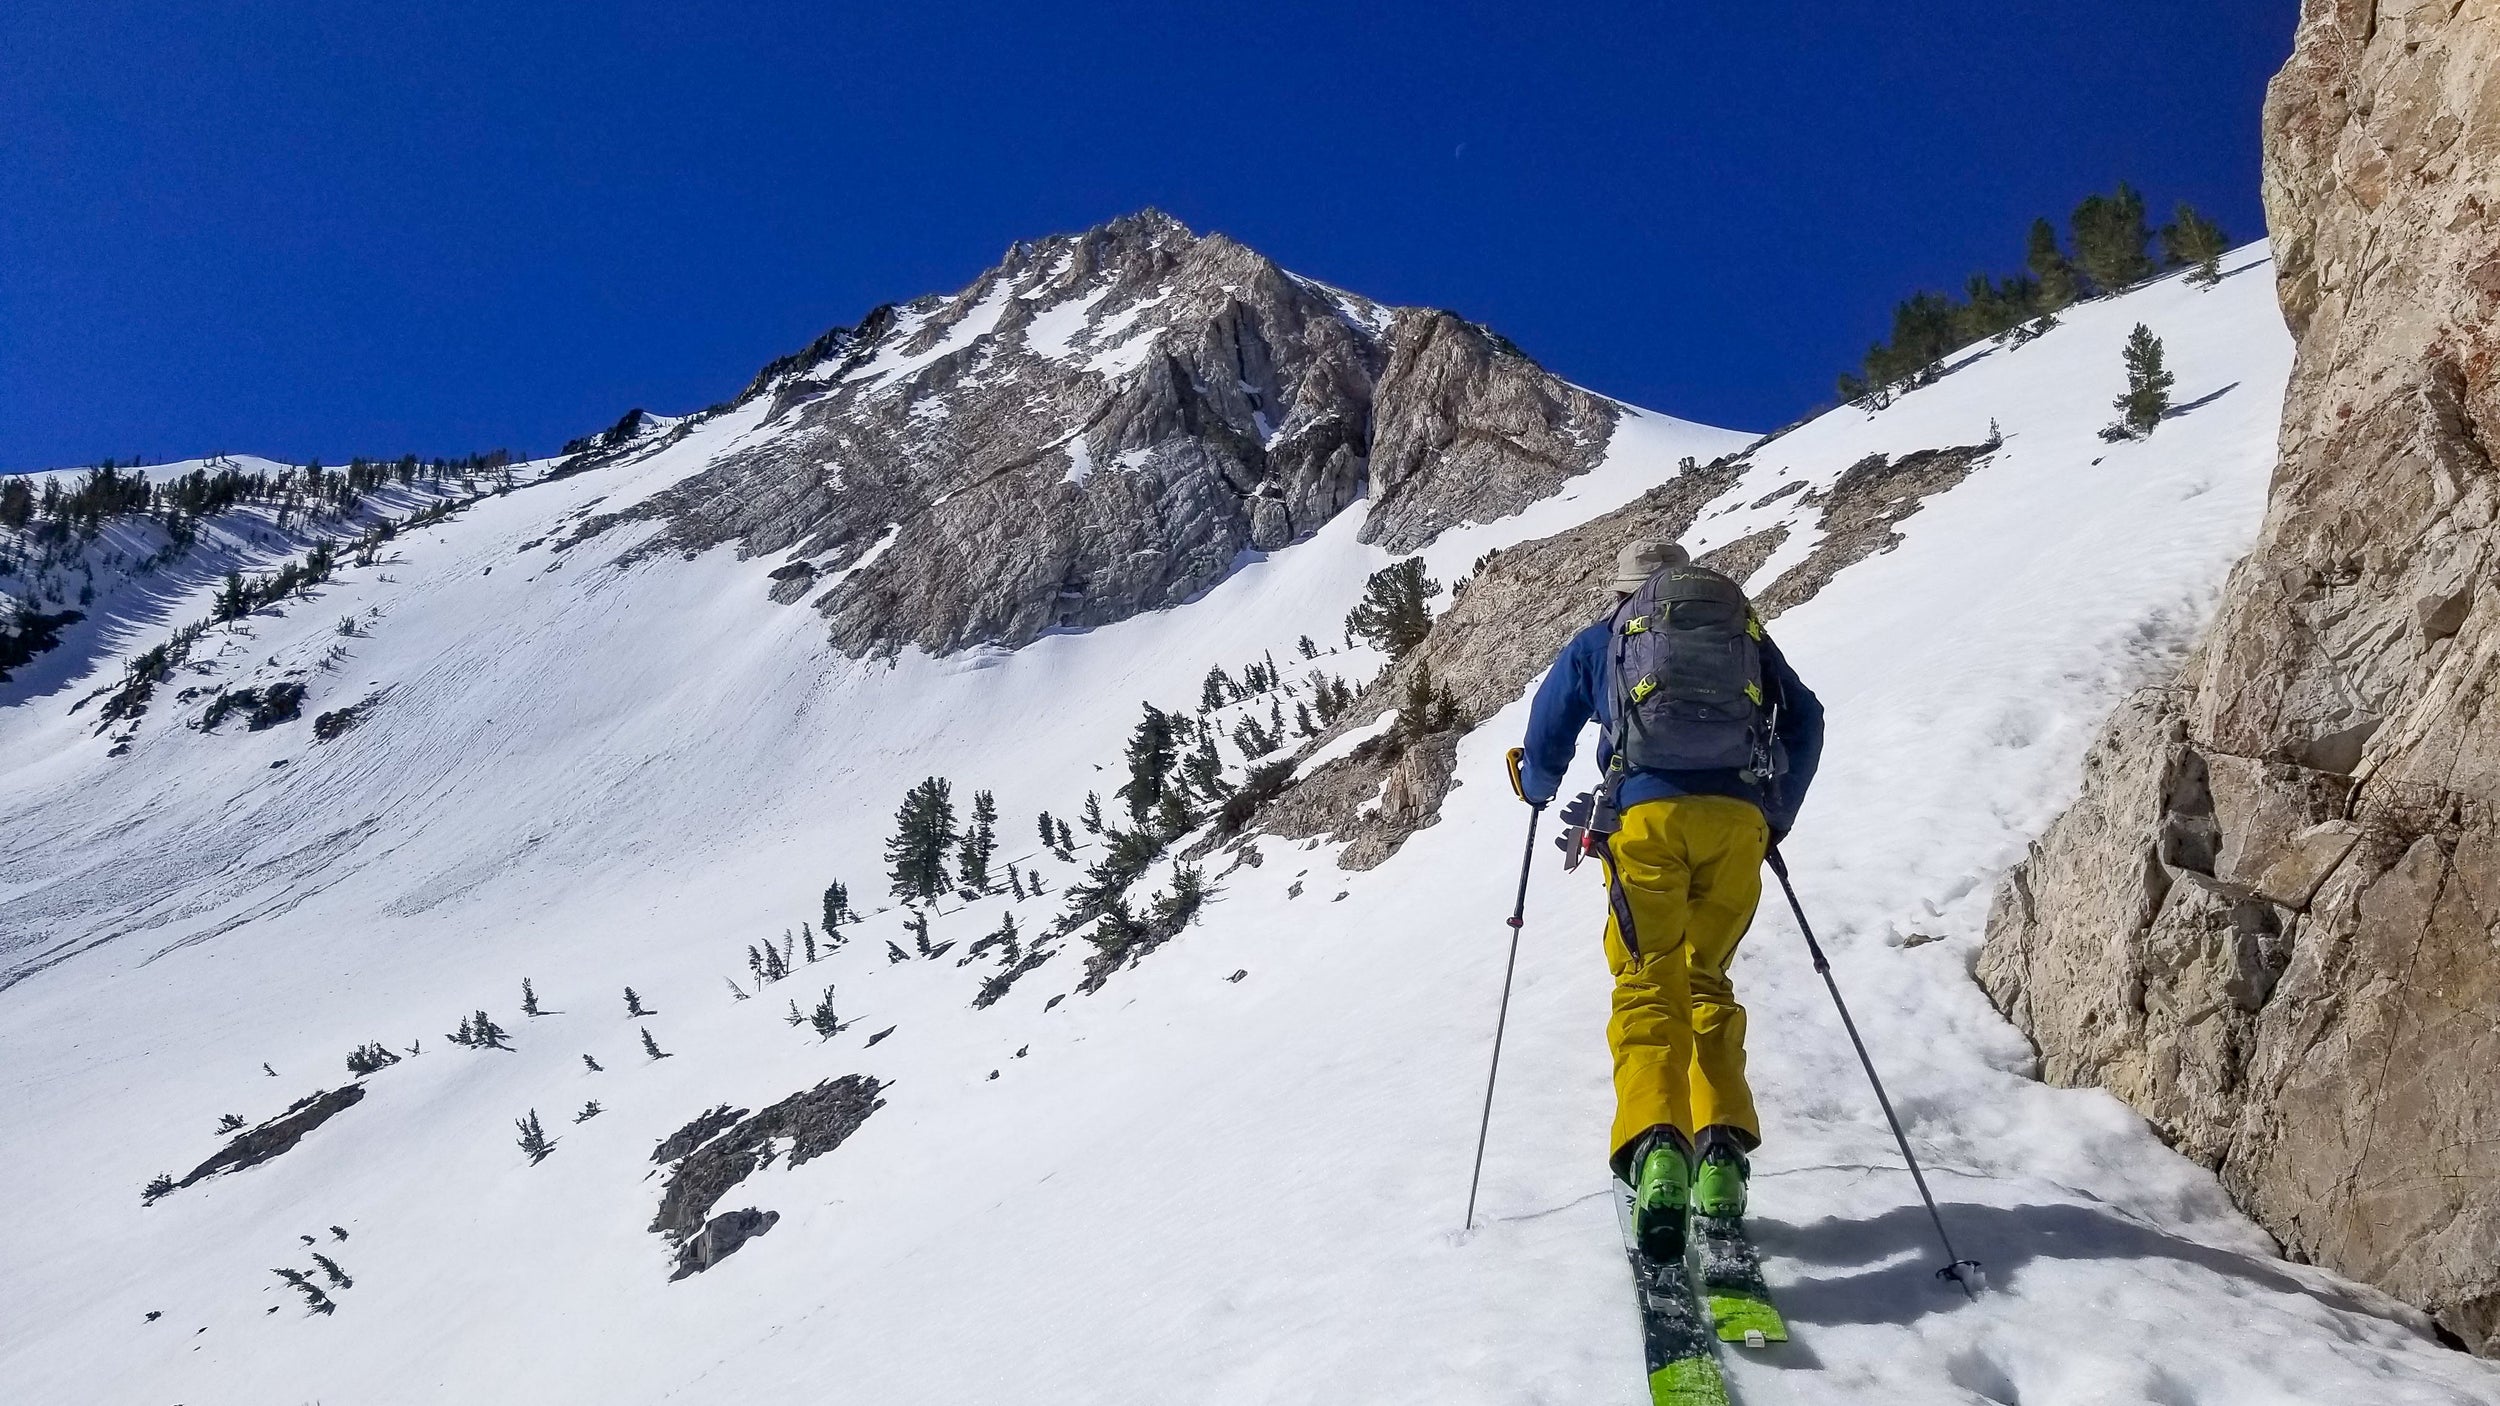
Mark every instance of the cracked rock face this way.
pixel 2272 922
pixel 1102 424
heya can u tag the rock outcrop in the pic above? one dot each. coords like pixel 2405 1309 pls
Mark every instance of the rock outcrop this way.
pixel 1101 425
pixel 2269 923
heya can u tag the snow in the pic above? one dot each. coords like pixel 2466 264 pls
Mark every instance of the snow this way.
pixel 1182 1187
pixel 1053 332
pixel 891 365
pixel 1120 352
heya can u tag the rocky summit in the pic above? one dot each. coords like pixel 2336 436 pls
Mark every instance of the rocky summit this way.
pixel 1102 424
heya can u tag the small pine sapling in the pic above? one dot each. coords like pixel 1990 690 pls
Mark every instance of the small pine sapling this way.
pixel 529 998
pixel 1015 883
pixel 895 954
pixel 825 1022
pixel 807 940
pixel 590 1110
pixel 231 1122
pixel 2148 388
pixel 338 1232
pixel 1091 817
pixel 272 1073
pixel 650 1046
pixel 633 1004
pixel 595 1066
pixel 330 1269
pixel 737 992
pixel 533 1138
pixel 161 1185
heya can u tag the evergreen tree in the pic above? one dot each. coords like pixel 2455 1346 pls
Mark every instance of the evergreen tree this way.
pixel 1392 615
pixel 231 1122
pixel 2048 265
pixel 1216 691
pixel 1067 841
pixel 2110 236
pixel 1203 769
pixel 529 998
pixel 595 1066
pixel 234 599
pixel 1090 817
pixel 1302 723
pixel 1172 815
pixel 1310 650
pixel 1150 755
pixel 920 931
pixel 837 909
pixel 633 1003
pixel 1050 837
pixel 2191 240
pixel 826 1024
pixel 1424 708
pixel 924 830
pixel 159 1186
pixel 972 862
pixel 590 1110
pixel 533 1138
pixel 331 1271
pixel 650 1046
pixel 2148 385
pixel 1171 911
pixel 1015 884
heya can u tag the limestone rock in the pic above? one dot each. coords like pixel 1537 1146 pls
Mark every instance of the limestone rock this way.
pixel 1101 425
pixel 2339 707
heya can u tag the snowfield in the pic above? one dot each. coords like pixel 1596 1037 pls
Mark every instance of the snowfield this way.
pixel 1184 1187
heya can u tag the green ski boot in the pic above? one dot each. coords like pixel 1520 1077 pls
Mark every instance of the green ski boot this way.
pixel 1661 1194
pixel 1719 1183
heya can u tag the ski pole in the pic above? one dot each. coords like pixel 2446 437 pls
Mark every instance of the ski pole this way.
pixel 1954 1264
pixel 1518 913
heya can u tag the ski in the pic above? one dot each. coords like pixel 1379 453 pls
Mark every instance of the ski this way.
pixel 1731 1281
pixel 1683 1362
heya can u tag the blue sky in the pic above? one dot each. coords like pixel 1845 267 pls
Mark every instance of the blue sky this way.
pixel 329 229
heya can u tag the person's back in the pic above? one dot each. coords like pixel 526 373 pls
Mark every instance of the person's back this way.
pixel 1709 741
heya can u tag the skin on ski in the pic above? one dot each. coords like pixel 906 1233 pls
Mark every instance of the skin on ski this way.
pixel 1731 1280
pixel 1683 1361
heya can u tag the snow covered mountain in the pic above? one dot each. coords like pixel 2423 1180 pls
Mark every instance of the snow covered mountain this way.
pixel 585 731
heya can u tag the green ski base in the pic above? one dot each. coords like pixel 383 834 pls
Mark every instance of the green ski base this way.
pixel 1731 1280
pixel 1683 1360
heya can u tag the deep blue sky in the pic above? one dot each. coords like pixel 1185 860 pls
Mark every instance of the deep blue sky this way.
pixel 322 228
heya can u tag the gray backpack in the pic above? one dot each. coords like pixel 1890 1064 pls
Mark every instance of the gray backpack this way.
pixel 1684 668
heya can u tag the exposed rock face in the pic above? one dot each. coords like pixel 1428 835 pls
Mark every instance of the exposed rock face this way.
pixel 279 1135
pixel 2270 921
pixel 1510 620
pixel 1101 425
pixel 725 1146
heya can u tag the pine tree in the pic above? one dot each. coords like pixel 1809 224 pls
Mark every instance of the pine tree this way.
pixel 529 998
pixel 1392 615
pixel 2110 236
pixel 1067 841
pixel 924 830
pixel 230 1122
pixel 650 1046
pixel 2191 240
pixel 1424 708
pixel 920 931
pixel 2048 265
pixel 1050 837
pixel 1172 815
pixel 2148 386
pixel 485 1034
pixel 234 599
pixel 533 1138
pixel 1216 691
pixel 837 909
pixel 972 862
pixel 595 1066
pixel 590 1110
pixel 1015 884
pixel 1309 650
pixel 1090 817
pixel 633 1004
pixel 1203 769
pixel 159 1187
pixel 807 939
pixel 1150 755
pixel 1302 723
pixel 330 1269
pixel 825 1022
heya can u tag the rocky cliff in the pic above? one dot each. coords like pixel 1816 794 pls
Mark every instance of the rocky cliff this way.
pixel 2269 922
pixel 1101 425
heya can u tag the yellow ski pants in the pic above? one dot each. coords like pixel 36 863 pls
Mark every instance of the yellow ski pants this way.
pixel 1687 871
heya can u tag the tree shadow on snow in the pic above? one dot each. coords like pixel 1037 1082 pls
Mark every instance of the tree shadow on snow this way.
pixel 1882 1270
pixel 2174 412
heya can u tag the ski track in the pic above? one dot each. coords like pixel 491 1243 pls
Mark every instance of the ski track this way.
pixel 1180 1188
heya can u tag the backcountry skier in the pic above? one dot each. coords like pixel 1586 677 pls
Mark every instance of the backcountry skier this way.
pixel 1708 741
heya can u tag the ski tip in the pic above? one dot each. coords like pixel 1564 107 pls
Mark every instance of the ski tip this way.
pixel 1748 1321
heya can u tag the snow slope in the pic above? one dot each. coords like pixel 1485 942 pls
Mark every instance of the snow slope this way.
pixel 1182 1187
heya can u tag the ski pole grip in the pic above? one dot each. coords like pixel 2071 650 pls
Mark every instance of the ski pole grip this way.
pixel 1512 758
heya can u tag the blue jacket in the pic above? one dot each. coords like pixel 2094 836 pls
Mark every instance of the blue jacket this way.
pixel 1575 691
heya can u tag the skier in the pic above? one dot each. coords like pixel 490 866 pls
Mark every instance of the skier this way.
pixel 1708 741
